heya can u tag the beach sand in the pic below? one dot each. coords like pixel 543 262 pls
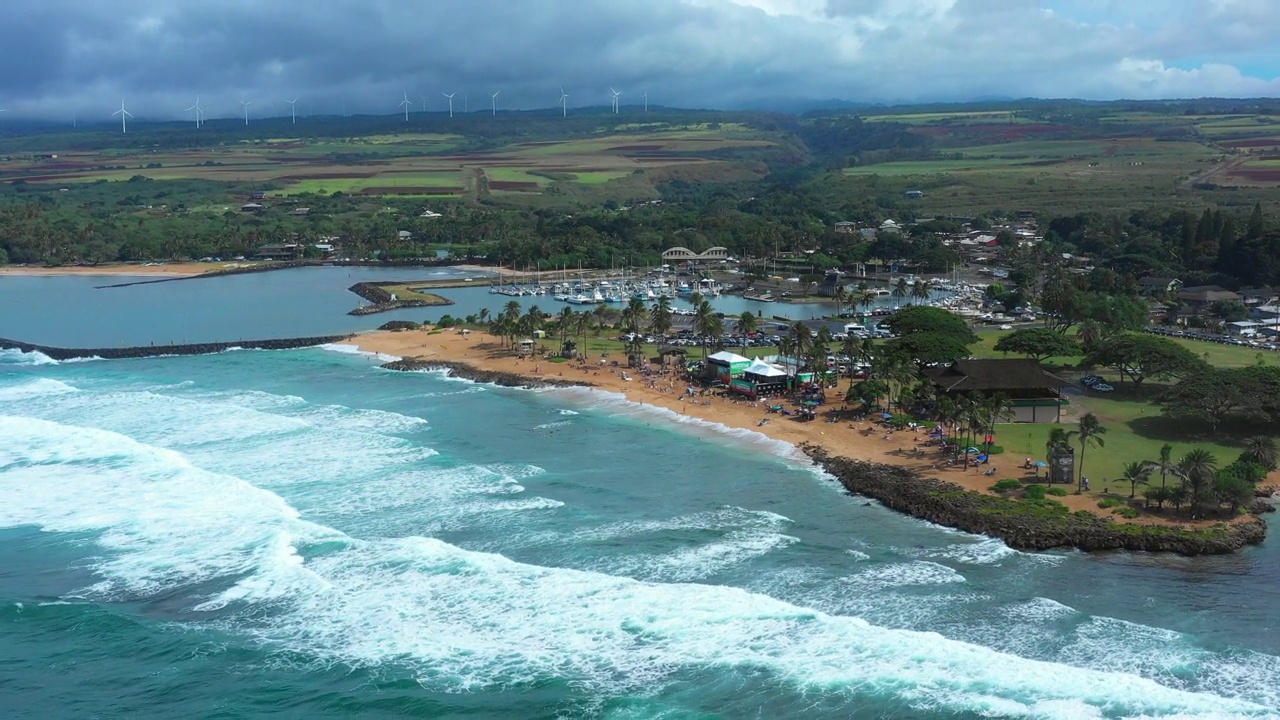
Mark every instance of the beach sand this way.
pixel 177 269
pixel 854 439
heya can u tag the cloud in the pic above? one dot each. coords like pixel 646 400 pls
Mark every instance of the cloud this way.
pixel 59 56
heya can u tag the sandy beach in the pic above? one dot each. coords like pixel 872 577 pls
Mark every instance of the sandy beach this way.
pixel 854 439
pixel 177 269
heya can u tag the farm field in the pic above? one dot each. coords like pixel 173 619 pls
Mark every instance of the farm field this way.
pixel 409 164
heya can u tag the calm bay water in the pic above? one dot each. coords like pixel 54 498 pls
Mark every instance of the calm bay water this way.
pixel 303 533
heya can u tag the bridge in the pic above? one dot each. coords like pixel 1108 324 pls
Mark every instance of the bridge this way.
pixel 683 254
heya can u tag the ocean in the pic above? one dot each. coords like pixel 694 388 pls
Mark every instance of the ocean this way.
pixel 302 533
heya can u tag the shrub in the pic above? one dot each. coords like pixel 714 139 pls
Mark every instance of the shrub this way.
pixel 1006 484
pixel 1057 492
pixel 1109 502
pixel 1127 512
pixel 1035 492
pixel 995 450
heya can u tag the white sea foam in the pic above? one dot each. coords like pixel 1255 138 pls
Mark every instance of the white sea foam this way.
pixel 347 349
pixel 919 572
pixel 35 388
pixel 553 425
pixel 468 620
pixel 13 356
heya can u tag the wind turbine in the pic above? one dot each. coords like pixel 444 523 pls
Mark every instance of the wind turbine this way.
pixel 564 105
pixel 406 104
pixel 245 104
pixel 123 114
pixel 646 100
pixel 293 109
pixel 464 104
pixel 424 102
pixel 494 99
pixel 198 110
pixel 450 96
pixel 615 95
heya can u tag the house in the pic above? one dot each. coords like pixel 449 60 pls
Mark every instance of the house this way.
pixel 1243 328
pixel 404 235
pixel 1158 285
pixel 285 251
pixel 1034 394
pixel 251 208
pixel 913 194
pixel 258 195
pixel 1259 296
pixel 300 211
pixel 844 227
pixel 430 215
pixel 1202 296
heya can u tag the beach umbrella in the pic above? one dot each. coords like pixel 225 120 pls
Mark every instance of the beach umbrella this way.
pixel 1041 463
pixel 981 458
pixel 812 403
pixel 887 416
pixel 972 450
pixel 935 436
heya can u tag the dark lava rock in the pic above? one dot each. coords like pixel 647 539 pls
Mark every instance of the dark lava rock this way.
pixel 462 370
pixel 155 350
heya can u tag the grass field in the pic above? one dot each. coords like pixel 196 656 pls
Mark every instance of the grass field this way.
pixel 1135 427
pixel 408 164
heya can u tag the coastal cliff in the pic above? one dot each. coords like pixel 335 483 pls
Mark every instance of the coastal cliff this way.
pixel 1026 527
pixel 58 353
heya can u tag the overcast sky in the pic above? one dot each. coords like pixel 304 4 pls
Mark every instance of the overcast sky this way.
pixel 63 56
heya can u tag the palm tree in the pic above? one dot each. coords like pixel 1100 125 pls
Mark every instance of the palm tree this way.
pixel 840 295
pixel 660 317
pixel 599 318
pixel 747 323
pixel 867 299
pixel 1136 473
pixel 581 323
pixel 1089 334
pixel 633 318
pixel 483 314
pixel 801 339
pixel 920 290
pixel 565 320
pixel 851 347
pixel 704 322
pixel 512 309
pixel 1198 468
pixel 1165 463
pixel 1261 449
pixel 1090 433
pixel 901 289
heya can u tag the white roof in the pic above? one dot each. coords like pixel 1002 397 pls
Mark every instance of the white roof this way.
pixel 725 356
pixel 760 367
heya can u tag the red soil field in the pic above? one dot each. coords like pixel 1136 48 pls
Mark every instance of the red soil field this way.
pixel 1255 143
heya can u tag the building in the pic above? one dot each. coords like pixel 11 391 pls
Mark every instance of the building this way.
pixel 258 195
pixel 913 194
pixel 727 365
pixel 251 208
pixel 286 251
pixel 1158 285
pixel 1034 394
pixel 300 211
pixel 844 227
pixel 1202 296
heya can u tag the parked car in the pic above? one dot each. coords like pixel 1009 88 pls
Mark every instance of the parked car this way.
pixel 1006 327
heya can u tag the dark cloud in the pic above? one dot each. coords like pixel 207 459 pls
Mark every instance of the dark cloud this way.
pixel 60 56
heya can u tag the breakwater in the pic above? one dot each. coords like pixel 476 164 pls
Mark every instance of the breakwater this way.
pixel 376 293
pixel 58 353
pixel 1023 525
pixel 287 265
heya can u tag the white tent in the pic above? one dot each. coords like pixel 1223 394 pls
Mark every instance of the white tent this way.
pixel 728 358
pixel 764 369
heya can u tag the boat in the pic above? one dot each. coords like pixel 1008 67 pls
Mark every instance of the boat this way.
pixel 763 297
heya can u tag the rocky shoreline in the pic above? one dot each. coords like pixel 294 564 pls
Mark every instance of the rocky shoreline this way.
pixel 382 300
pixel 58 353
pixel 470 372
pixel 1022 528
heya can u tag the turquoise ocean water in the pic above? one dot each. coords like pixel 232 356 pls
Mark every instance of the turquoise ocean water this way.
pixel 304 534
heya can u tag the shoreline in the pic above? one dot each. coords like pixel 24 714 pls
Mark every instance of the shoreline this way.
pixel 850 452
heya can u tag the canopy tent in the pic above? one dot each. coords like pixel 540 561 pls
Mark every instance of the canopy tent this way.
pixel 724 357
pixel 727 365
pixel 763 369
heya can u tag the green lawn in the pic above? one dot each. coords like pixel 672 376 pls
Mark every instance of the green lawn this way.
pixel 1135 427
